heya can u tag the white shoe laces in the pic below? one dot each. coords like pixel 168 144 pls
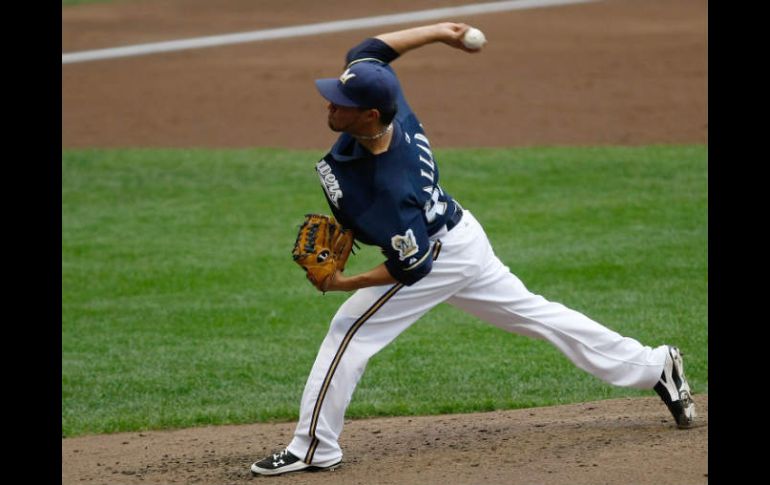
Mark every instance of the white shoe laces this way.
pixel 278 458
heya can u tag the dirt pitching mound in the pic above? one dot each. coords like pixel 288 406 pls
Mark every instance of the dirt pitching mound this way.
pixel 604 442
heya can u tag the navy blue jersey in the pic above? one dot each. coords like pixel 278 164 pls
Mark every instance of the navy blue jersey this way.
pixel 392 200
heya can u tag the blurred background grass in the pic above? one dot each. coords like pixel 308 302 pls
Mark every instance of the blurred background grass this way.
pixel 181 305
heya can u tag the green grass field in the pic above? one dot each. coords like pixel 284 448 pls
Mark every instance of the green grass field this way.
pixel 181 305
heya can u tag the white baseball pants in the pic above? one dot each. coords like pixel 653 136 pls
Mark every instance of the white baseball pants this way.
pixel 467 274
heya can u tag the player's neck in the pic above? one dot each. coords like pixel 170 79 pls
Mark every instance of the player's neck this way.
pixel 378 142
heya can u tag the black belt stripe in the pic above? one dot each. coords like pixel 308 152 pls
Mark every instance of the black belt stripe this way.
pixel 338 357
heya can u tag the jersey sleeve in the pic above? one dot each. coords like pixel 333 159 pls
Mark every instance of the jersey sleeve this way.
pixel 404 241
pixel 374 49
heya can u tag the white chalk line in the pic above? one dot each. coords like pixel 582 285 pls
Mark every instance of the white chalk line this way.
pixel 309 29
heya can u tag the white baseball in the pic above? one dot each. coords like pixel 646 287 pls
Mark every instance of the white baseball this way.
pixel 474 39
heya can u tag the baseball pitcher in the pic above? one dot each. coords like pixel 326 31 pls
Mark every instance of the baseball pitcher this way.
pixel 382 182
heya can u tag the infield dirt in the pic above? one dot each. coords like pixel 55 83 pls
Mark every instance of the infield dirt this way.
pixel 619 72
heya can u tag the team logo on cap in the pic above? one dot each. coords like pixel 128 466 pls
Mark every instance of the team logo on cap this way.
pixel 346 76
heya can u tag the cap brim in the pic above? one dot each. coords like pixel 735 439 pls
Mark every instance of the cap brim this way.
pixel 329 89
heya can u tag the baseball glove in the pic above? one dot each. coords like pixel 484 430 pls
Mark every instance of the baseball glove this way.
pixel 322 247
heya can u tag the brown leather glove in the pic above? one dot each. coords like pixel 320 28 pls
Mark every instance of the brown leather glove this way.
pixel 322 247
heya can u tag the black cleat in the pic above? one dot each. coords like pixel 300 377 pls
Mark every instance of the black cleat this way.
pixel 285 462
pixel 675 391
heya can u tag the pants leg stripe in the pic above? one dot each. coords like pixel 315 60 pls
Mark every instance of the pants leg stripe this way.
pixel 338 356
pixel 335 362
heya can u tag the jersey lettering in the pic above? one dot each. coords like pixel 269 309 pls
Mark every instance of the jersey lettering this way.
pixel 427 161
pixel 421 137
pixel 433 208
pixel 329 183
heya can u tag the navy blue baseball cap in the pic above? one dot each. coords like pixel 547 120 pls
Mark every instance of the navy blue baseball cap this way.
pixel 362 85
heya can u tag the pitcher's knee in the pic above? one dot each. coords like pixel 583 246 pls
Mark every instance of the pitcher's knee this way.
pixel 341 324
